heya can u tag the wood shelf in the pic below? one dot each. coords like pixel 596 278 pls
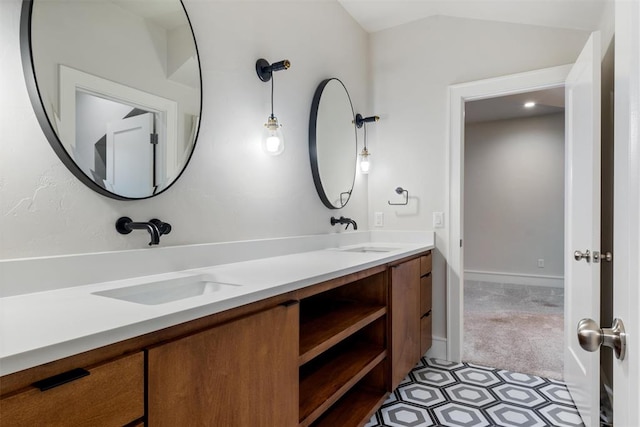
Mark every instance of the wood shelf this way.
pixel 355 408
pixel 322 330
pixel 332 377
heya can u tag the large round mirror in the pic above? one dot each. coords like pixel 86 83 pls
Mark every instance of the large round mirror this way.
pixel 116 88
pixel 332 143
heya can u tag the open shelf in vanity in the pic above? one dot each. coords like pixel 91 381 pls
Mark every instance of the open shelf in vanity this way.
pixel 343 351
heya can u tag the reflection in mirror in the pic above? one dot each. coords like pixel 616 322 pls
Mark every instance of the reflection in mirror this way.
pixel 116 88
pixel 332 143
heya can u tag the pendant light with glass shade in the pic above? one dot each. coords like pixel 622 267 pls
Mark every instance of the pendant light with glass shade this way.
pixel 273 138
pixel 365 161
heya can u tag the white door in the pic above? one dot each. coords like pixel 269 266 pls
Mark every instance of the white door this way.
pixel 582 226
pixel 626 249
pixel 130 156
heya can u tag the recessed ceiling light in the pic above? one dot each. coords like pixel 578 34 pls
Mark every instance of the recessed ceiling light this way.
pixel 529 104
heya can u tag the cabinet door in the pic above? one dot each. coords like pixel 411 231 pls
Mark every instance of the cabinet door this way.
pixel 425 333
pixel 405 319
pixel 241 373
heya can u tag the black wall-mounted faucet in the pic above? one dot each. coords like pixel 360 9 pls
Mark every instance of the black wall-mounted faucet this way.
pixel 343 220
pixel 155 227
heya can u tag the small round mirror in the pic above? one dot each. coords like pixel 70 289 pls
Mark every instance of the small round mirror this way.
pixel 332 143
pixel 116 87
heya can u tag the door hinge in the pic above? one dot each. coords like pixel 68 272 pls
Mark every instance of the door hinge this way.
pixel 460 242
pixel 153 138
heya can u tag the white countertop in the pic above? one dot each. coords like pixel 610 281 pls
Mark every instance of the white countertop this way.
pixel 41 327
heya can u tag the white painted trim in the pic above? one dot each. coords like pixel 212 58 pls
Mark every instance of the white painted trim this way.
pixel 438 349
pixel 626 220
pixel 458 95
pixel 72 80
pixel 515 278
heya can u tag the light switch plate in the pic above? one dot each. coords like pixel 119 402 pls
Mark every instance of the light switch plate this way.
pixel 438 220
pixel 378 219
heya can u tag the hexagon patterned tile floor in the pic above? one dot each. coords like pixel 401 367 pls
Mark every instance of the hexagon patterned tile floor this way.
pixel 441 393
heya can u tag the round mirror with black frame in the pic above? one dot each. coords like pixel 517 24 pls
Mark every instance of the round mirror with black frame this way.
pixel 116 87
pixel 333 143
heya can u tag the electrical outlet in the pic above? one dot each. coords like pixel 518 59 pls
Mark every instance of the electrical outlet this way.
pixel 540 263
pixel 378 219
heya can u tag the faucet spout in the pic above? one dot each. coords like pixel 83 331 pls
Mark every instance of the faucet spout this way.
pixel 151 228
pixel 125 225
pixel 343 220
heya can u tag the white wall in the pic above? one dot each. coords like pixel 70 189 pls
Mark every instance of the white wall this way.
pixel 231 189
pixel 514 196
pixel 412 67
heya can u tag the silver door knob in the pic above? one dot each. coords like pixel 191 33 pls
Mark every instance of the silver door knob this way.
pixel 582 255
pixel 591 336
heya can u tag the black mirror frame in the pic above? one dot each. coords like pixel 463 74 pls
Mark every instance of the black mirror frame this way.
pixel 38 107
pixel 313 145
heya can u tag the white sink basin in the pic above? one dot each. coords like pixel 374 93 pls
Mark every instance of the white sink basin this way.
pixel 370 249
pixel 169 290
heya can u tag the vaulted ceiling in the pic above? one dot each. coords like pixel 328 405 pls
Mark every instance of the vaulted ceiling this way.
pixel 376 15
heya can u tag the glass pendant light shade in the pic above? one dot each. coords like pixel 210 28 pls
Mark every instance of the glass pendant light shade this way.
pixel 365 161
pixel 273 138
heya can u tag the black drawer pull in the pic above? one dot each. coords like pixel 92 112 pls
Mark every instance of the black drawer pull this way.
pixel 290 303
pixel 427 314
pixel 426 275
pixel 60 379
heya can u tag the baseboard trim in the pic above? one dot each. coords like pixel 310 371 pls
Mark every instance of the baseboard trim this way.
pixel 438 349
pixel 515 279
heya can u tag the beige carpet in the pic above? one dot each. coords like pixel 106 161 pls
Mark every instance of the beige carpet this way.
pixel 529 343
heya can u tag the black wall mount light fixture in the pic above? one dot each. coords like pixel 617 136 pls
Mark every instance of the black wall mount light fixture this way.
pixel 360 121
pixel 273 138
pixel 365 161
pixel 265 70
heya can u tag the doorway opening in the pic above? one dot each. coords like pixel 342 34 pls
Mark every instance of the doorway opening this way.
pixel 513 290
pixel 460 95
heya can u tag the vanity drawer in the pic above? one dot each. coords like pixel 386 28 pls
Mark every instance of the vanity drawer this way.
pixel 112 394
pixel 425 333
pixel 426 289
pixel 425 264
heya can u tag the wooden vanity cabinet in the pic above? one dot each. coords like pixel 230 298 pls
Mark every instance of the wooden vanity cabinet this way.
pixel 108 394
pixel 405 319
pixel 324 355
pixel 240 373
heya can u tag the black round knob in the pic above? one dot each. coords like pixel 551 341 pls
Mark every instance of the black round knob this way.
pixel 122 225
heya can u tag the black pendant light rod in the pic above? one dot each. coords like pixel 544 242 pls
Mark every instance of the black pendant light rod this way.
pixel 272 82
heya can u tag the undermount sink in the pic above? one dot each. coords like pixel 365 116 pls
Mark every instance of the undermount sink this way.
pixel 370 249
pixel 169 290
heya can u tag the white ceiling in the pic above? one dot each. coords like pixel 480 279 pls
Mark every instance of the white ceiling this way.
pixel 376 15
pixel 548 101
